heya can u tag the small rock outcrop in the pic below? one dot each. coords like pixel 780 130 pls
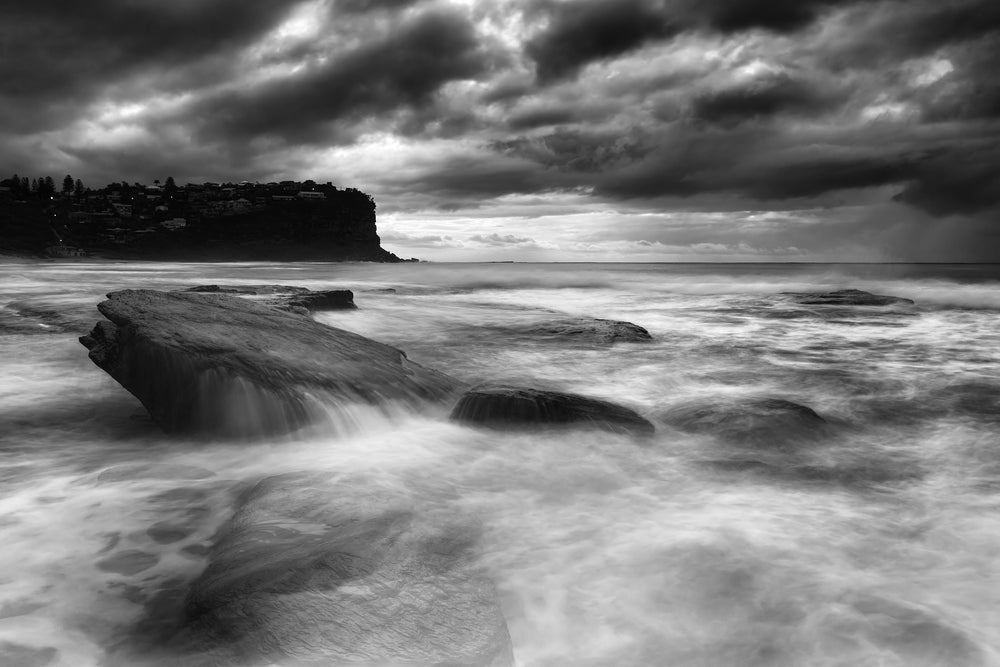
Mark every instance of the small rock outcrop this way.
pixel 287 297
pixel 314 570
pixel 593 330
pixel 502 406
pixel 757 422
pixel 845 297
pixel 218 364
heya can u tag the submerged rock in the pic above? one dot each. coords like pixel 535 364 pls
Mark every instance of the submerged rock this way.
pixel 219 364
pixel 501 406
pixel 759 422
pixel 592 330
pixel 42 316
pixel 315 571
pixel 287 297
pixel 845 297
pixel 788 441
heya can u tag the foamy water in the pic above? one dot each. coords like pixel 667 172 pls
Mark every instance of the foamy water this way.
pixel 879 546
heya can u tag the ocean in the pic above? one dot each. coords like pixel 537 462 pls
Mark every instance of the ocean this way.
pixel 873 543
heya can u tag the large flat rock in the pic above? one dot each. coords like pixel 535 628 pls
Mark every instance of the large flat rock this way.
pixel 223 365
pixel 316 570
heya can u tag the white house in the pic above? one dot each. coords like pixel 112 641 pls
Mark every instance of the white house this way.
pixel 174 224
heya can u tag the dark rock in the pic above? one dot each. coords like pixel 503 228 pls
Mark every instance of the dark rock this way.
pixel 287 297
pixel 787 441
pixel 845 297
pixel 500 406
pixel 592 330
pixel 341 299
pixel 759 422
pixel 220 364
pixel 319 571
pixel 252 290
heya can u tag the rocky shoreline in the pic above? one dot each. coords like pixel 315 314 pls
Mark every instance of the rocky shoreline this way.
pixel 321 568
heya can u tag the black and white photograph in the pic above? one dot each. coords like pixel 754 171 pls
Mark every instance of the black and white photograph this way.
pixel 500 333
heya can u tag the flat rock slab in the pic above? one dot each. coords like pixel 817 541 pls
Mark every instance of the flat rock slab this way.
pixel 222 365
pixel 501 406
pixel 591 330
pixel 314 570
pixel 287 297
pixel 845 297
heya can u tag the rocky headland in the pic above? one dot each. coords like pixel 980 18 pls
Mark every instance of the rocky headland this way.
pixel 287 221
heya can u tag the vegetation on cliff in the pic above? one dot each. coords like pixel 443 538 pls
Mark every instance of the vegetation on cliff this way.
pixel 206 221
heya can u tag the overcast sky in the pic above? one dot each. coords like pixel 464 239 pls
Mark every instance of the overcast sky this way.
pixel 555 130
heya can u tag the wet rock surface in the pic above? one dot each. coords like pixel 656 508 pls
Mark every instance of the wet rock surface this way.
pixel 592 330
pixel 845 297
pixel 784 440
pixel 287 297
pixel 316 570
pixel 503 406
pixel 223 365
pixel 757 422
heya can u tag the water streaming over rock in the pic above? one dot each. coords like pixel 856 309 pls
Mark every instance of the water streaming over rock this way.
pixel 868 535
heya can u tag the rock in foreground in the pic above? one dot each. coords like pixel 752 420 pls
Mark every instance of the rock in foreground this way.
pixel 314 571
pixel 501 406
pixel 222 365
pixel 845 297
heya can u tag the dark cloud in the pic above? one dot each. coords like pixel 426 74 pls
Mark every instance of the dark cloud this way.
pixel 757 163
pixel 496 239
pixel 476 176
pixel 970 92
pixel 52 53
pixel 874 34
pixel 762 98
pixel 587 30
pixel 362 6
pixel 578 151
pixel 957 180
pixel 404 68
pixel 742 105
pixel 540 117
pixel 775 15
pixel 583 31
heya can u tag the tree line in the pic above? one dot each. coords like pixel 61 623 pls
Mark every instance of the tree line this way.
pixel 44 188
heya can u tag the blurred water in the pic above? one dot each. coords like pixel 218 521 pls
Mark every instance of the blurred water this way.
pixel 879 545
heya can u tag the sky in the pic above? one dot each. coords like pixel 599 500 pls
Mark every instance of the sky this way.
pixel 542 130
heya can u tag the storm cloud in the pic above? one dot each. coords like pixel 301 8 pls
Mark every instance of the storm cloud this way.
pixel 517 109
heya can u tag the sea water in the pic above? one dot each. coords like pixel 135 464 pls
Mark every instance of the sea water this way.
pixel 882 548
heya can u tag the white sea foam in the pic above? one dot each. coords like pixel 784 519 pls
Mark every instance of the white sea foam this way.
pixel 876 546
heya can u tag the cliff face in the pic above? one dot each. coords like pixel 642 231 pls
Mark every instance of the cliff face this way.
pixel 308 230
pixel 337 226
